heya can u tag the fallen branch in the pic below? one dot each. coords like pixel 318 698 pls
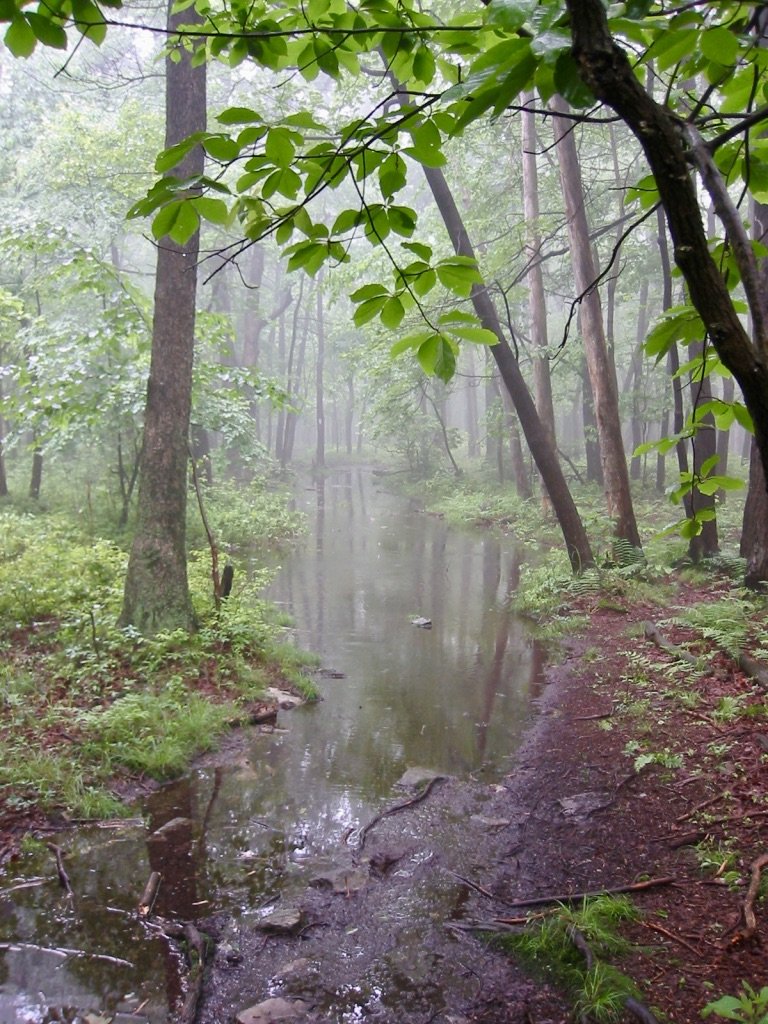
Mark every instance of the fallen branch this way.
pixel 63 951
pixel 748 906
pixel 675 938
pixel 421 795
pixel 148 897
pixel 701 806
pixel 540 901
pixel 652 632
pixel 60 869
pixel 754 670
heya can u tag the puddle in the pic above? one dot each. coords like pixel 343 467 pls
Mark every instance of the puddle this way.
pixel 236 838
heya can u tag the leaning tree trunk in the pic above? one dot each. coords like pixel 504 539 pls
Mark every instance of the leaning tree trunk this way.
pixel 156 591
pixel 601 371
pixel 542 450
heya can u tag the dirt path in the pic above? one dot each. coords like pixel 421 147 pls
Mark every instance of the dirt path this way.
pixel 574 815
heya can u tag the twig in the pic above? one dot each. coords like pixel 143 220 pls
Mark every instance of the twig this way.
pixel 472 885
pixel 62 951
pixel 700 807
pixel 541 901
pixel 748 906
pixel 675 938
pixel 393 810
pixel 593 718
pixel 60 869
pixel 148 897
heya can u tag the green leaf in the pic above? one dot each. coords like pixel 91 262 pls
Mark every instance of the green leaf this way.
pixel 186 224
pixel 221 148
pixel 238 115
pixel 368 310
pixel 89 20
pixel 509 15
pixel 719 45
pixel 280 149
pixel 392 175
pixel 424 252
pixel 172 156
pixel 215 211
pixel 368 291
pixel 423 65
pixel 392 313
pixel 569 83
pixel 410 342
pixel 436 356
pixel 402 220
pixel 458 274
pixel 477 335
pixel 19 37
pixel 49 32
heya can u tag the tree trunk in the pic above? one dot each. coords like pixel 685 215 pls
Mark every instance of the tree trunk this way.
pixel 319 387
pixel 542 381
pixel 589 424
pixel 704 444
pixel 543 452
pixel 606 69
pixel 754 535
pixel 156 590
pixel 36 477
pixel 666 303
pixel 634 381
pixel 599 363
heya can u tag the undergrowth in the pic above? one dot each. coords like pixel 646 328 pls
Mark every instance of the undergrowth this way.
pixel 84 702
pixel 550 946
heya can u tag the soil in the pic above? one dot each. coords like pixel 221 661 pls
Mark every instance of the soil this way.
pixel 578 813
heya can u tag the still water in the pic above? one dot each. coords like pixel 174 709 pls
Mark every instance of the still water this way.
pixel 453 698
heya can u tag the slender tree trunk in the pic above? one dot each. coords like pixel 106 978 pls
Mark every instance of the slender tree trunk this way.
pixel 704 444
pixel 633 384
pixel 36 477
pixel 543 452
pixel 589 423
pixel 537 305
pixel 601 371
pixel 319 388
pixel 156 590
pixel 470 406
pixel 724 438
pixel 666 303
pixel 519 470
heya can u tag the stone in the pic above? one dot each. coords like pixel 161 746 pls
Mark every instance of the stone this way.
pixel 282 921
pixel 343 880
pixel 480 819
pixel 581 805
pixel 421 622
pixel 282 698
pixel 271 1011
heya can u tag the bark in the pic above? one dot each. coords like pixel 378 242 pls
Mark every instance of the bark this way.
pixel 319 388
pixel 666 303
pixel 537 306
pixel 156 590
pixel 543 452
pixel 36 477
pixel 705 543
pixel 601 371
pixel 724 439
pixel 633 384
pixel 606 69
pixel 589 424
pixel 754 535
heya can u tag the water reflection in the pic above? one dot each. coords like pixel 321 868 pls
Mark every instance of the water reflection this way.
pixel 453 698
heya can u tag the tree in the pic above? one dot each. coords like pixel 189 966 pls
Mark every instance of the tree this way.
pixel 156 591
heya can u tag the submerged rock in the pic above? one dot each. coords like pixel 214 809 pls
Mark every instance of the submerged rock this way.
pixel 271 1011
pixel 346 879
pixel 415 778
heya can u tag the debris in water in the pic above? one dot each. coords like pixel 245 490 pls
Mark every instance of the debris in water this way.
pixel 421 622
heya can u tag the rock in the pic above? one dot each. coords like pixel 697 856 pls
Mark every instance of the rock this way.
pixel 291 969
pixel 421 622
pixel 273 1010
pixel 385 859
pixel 282 921
pixel 282 698
pixel 581 805
pixel 480 819
pixel 415 778
pixel 171 830
pixel 345 879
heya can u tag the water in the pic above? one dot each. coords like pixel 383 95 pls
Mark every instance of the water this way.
pixel 453 698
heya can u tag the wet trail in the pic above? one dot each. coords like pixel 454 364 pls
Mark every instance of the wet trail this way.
pixel 269 826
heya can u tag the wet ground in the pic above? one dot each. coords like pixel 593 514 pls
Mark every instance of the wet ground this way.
pixel 424 666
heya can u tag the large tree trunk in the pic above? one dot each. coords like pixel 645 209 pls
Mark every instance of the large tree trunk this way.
pixel 601 371
pixel 543 452
pixel 606 69
pixel 156 590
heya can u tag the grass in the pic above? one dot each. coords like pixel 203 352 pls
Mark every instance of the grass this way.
pixel 598 991
pixel 84 703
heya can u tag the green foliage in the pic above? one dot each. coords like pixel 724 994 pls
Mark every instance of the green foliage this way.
pixel 748 1007
pixel 245 516
pixel 601 991
pixel 726 622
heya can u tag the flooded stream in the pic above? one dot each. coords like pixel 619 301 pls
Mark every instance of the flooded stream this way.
pixel 236 838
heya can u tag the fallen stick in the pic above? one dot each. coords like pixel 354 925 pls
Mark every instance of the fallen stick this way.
pixel 652 632
pixel 148 897
pixel 421 795
pixel 60 869
pixel 63 951
pixel 540 901
pixel 675 938
pixel 748 906
pixel 754 670
pixel 701 806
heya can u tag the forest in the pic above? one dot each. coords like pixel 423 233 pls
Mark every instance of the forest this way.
pixel 330 329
